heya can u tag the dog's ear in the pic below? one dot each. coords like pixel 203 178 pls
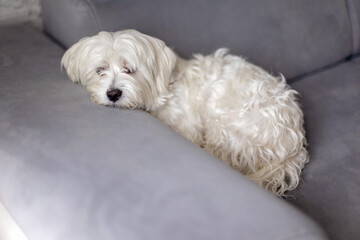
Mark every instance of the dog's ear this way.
pixel 163 66
pixel 79 59
pixel 73 60
pixel 166 60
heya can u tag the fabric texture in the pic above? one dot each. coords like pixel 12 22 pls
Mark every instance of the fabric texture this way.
pixel 330 190
pixel 71 169
pixel 292 37
pixel 354 15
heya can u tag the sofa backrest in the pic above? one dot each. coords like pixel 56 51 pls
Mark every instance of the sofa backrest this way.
pixel 288 37
pixel 354 15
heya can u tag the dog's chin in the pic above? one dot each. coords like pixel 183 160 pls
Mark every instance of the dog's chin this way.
pixel 118 104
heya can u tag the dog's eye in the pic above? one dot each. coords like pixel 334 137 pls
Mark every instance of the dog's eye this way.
pixel 99 70
pixel 127 70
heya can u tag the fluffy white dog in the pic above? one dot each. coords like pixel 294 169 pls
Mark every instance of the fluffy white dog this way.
pixel 228 106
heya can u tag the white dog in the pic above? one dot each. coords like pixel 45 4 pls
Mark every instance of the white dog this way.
pixel 230 107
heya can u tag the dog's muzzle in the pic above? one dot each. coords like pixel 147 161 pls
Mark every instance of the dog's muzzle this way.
pixel 114 94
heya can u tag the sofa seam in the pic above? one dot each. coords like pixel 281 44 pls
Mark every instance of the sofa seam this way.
pixel 319 70
pixel 94 14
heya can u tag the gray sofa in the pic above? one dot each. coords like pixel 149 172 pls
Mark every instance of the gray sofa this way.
pixel 71 169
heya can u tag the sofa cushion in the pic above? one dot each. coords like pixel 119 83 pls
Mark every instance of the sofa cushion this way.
pixel 330 192
pixel 291 37
pixel 354 14
pixel 71 169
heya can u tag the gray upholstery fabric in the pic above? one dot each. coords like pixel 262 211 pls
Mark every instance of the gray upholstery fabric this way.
pixel 354 15
pixel 291 37
pixel 71 169
pixel 330 192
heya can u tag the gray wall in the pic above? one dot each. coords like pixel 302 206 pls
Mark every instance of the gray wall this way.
pixel 17 11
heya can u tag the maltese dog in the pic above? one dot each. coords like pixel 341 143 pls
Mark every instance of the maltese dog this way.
pixel 235 110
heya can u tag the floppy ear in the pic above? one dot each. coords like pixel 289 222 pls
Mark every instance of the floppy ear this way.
pixel 165 60
pixel 74 60
pixel 83 55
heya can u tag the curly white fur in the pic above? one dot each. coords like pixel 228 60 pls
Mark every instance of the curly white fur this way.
pixel 230 107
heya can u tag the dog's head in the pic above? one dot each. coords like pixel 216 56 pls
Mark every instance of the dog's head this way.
pixel 126 69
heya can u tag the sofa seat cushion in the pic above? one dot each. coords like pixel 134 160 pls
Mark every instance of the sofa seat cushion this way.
pixel 330 192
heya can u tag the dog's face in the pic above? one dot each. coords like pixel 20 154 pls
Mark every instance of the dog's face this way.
pixel 125 69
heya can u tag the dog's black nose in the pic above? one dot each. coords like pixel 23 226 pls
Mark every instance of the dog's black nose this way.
pixel 114 94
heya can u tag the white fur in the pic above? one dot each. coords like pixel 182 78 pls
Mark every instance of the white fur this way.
pixel 230 107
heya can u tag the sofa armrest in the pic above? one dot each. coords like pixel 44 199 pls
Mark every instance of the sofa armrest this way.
pixel 70 20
